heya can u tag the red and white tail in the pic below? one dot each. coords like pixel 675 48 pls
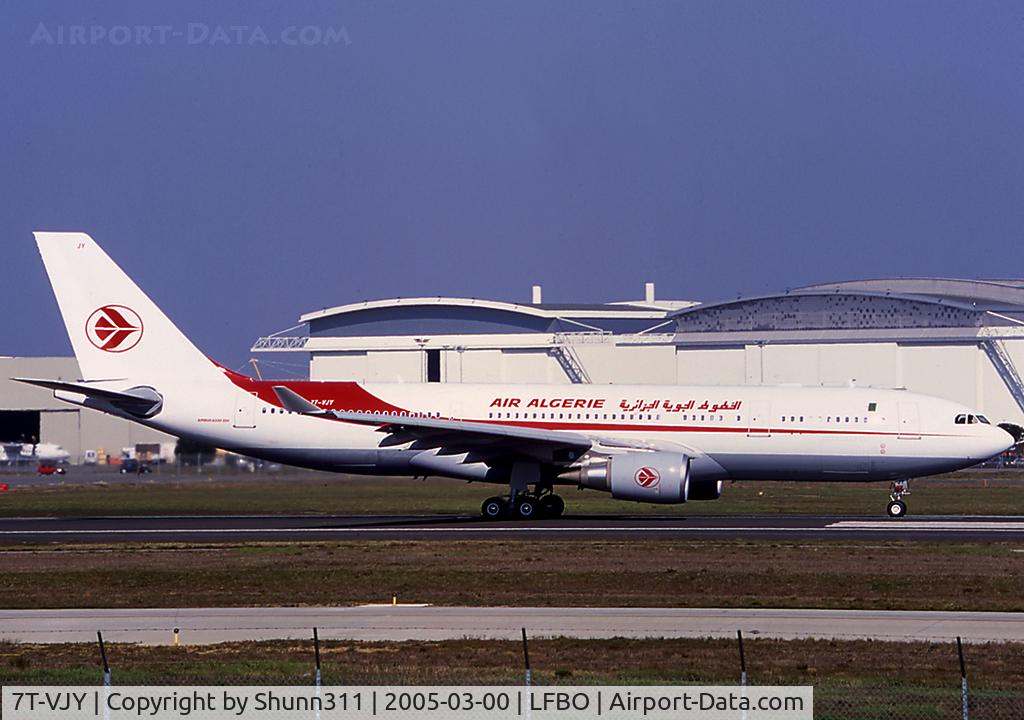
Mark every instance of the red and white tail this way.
pixel 117 332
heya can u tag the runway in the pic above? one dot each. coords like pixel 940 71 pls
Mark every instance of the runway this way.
pixel 213 625
pixel 454 527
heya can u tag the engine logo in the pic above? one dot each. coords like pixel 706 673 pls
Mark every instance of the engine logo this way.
pixel 647 477
pixel 114 328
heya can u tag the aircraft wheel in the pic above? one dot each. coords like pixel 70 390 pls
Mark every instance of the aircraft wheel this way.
pixel 526 509
pixel 494 508
pixel 552 506
pixel 896 509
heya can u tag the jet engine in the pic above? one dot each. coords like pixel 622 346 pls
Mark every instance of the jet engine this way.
pixel 654 477
pixel 704 489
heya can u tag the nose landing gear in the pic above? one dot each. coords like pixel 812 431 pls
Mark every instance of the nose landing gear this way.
pixel 896 507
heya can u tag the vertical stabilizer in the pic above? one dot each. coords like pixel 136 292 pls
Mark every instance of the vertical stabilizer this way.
pixel 117 332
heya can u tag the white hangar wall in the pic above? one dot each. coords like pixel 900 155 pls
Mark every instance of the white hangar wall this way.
pixel 73 428
pixel 962 372
pixel 958 339
pixel 959 372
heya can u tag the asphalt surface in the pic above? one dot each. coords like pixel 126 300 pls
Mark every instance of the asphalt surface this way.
pixel 408 622
pixel 452 527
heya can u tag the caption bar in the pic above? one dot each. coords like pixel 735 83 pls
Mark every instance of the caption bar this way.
pixel 472 702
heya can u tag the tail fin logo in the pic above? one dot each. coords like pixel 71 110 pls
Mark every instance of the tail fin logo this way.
pixel 114 328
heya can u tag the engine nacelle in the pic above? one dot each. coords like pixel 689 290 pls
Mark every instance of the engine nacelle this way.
pixel 654 477
pixel 704 489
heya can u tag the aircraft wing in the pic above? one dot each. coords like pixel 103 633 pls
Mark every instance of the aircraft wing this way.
pixel 485 442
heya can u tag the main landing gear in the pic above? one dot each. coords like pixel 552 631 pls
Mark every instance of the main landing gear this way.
pixel 520 506
pixel 897 508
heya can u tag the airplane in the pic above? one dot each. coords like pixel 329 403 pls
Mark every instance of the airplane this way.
pixel 19 452
pixel 645 443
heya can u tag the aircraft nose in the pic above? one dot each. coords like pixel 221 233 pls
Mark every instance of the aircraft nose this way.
pixel 998 440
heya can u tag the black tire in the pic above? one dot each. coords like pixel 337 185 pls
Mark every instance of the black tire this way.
pixel 896 509
pixel 494 508
pixel 527 508
pixel 552 506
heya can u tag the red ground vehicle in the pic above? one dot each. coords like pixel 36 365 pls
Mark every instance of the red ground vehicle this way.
pixel 49 469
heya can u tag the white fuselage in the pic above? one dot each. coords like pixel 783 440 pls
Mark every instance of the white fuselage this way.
pixel 765 433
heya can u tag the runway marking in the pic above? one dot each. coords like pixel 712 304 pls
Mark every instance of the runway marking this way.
pixel 889 526
pixel 912 525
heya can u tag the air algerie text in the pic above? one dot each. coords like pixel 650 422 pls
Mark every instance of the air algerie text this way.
pixel 568 403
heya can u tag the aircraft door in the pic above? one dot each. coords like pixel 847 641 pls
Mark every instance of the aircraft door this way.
pixel 910 421
pixel 759 423
pixel 245 410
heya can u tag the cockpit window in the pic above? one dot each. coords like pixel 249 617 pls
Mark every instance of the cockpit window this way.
pixel 983 419
pixel 961 419
pixel 971 419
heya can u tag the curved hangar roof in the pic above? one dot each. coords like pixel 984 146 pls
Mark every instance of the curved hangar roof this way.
pixel 932 307
pixel 458 316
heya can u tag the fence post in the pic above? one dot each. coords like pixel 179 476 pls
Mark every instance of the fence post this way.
pixel 743 670
pixel 529 677
pixel 103 657
pixel 963 676
pixel 106 675
pixel 316 651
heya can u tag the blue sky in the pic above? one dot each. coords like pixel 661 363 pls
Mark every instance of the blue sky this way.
pixel 475 148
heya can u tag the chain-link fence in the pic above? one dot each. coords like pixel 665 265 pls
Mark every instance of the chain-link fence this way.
pixel 832 700
pixel 915 703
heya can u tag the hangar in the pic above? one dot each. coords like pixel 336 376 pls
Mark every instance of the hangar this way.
pixel 32 415
pixel 953 338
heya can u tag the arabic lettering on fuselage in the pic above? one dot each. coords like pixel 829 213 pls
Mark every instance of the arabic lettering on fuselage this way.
pixel 643 405
pixel 678 407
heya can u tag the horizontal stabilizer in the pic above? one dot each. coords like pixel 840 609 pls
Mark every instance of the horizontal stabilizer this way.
pixel 139 401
